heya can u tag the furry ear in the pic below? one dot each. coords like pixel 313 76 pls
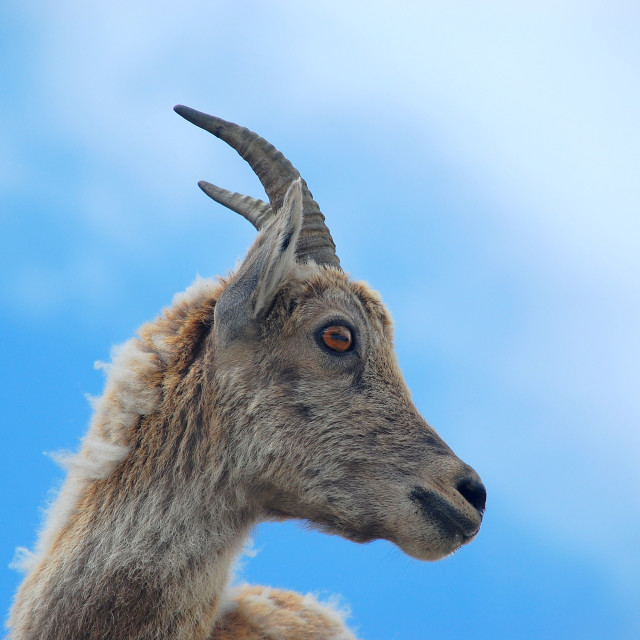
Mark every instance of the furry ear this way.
pixel 250 293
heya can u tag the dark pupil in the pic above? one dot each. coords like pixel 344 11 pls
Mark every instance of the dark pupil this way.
pixel 339 336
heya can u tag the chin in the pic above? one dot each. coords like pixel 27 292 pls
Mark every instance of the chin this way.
pixel 431 550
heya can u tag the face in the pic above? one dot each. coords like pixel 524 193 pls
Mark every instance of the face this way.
pixel 314 413
pixel 331 435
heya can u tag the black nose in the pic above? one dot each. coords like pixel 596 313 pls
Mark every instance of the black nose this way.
pixel 473 492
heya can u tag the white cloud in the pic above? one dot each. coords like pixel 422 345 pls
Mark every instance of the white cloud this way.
pixel 535 108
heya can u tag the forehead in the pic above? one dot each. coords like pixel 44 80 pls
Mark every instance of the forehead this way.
pixel 329 289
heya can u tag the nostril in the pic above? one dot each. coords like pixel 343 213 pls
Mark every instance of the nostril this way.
pixel 474 493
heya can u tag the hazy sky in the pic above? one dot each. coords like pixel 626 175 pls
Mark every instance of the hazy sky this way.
pixel 477 163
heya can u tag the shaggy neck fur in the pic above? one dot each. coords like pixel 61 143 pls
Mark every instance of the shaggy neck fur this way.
pixel 148 522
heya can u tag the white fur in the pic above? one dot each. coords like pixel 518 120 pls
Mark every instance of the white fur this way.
pixel 127 396
pixel 197 292
pixel 334 609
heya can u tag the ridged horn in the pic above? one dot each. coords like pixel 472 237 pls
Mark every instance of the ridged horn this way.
pixel 257 212
pixel 275 173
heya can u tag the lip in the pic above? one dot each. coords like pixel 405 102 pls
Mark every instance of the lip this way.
pixel 452 521
pixel 469 538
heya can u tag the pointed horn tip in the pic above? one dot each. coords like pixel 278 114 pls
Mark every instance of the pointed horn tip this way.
pixel 203 120
pixel 211 190
pixel 190 115
pixel 199 118
pixel 181 110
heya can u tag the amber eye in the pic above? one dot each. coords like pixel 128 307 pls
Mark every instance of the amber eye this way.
pixel 337 338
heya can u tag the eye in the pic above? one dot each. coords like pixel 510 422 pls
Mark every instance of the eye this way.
pixel 337 338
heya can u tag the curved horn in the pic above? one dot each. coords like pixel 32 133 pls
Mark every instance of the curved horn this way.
pixel 257 212
pixel 275 173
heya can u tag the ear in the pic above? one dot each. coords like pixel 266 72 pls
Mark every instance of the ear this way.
pixel 249 295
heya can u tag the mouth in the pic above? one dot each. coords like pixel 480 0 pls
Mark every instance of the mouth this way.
pixel 454 523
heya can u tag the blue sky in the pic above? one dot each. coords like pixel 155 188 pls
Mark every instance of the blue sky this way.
pixel 477 163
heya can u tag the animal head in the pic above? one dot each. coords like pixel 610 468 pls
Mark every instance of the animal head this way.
pixel 312 406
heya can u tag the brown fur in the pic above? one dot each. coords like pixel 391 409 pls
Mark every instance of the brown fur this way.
pixel 259 613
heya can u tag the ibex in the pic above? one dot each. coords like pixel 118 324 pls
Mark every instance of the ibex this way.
pixel 271 394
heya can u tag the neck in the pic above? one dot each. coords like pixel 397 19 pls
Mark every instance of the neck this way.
pixel 146 555
pixel 142 538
